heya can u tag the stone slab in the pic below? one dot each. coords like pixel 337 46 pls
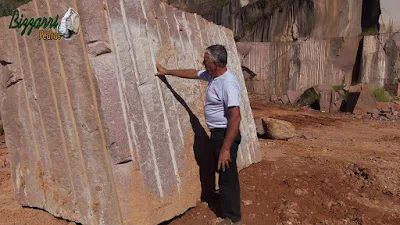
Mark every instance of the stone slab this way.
pixel 99 139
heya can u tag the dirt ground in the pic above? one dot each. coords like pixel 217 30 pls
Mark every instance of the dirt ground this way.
pixel 337 170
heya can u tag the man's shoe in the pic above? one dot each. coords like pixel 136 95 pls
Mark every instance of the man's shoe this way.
pixel 227 221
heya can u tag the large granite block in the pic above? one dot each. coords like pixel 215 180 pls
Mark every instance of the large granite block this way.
pixel 93 136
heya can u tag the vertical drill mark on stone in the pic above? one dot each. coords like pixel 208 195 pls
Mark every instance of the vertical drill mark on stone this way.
pixel 171 147
pixel 125 105
pixel 189 36
pixel 46 57
pixel 134 137
pixel 158 29
pixel 100 125
pixel 129 37
pixel 153 152
pixel 198 28
pixel 136 109
pixel 179 31
pixel 49 163
pixel 219 36
pixel 77 141
pixel 176 66
pixel 29 110
pixel 167 125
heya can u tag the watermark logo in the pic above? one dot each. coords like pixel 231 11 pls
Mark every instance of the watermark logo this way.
pixel 66 29
pixel 18 21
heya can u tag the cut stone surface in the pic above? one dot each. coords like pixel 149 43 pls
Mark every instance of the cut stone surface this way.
pixel 379 55
pixel 297 66
pixel 93 136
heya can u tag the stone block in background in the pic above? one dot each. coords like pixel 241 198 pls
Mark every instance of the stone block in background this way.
pixel 93 136
pixel 297 66
pixel 325 100
pixel 285 99
pixel 294 96
pixel 361 102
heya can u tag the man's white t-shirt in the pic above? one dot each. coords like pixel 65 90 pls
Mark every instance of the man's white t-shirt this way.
pixel 222 92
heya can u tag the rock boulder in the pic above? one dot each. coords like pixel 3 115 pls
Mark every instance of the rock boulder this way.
pixel 278 129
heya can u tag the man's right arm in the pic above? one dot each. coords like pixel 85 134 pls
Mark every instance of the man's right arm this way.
pixel 186 73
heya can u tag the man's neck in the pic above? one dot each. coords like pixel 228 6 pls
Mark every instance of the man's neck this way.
pixel 219 72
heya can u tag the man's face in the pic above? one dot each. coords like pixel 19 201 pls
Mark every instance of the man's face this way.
pixel 208 64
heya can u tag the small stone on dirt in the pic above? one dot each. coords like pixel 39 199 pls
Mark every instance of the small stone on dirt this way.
pixel 247 202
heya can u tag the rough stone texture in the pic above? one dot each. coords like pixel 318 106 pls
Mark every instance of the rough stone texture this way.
pixel 398 88
pixel 259 126
pixel 384 106
pixel 274 98
pixel 361 102
pixel 281 67
pixel 380 60
pixel 278 129
pixel 286 20
pixel 330 100
pixel 93 136
pixel 285 99
pixel 358 88
pixel 396 105
pixel 325 100
pixel 293 96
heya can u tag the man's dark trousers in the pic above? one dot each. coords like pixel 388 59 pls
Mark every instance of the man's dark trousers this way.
pixel 229 187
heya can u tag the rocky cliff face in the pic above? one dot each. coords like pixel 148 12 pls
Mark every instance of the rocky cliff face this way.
pixel 93 136
pixel 276 68
pixel 389 19
pixel 380 60
pixel 284 20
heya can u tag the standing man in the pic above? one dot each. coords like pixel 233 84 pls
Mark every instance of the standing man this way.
pixel 222 114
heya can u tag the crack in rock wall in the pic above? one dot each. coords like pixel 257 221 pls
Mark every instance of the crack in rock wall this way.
pixel 93 136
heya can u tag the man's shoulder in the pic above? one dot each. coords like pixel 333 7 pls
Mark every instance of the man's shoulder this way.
pixel 204 75
pixel 230 76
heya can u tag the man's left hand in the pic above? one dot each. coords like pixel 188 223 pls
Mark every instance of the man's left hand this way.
pixel 224 159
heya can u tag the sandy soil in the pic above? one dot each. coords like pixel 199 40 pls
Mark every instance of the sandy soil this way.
pixel 337 170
